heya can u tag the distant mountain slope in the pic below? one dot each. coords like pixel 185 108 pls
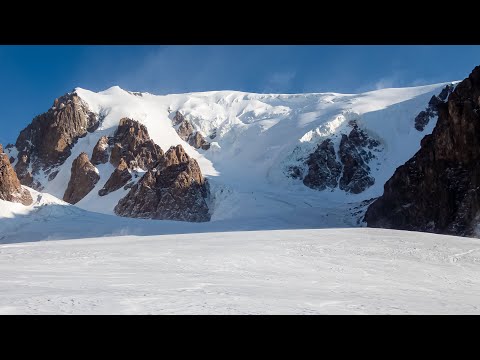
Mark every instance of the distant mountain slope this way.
pixel 261 154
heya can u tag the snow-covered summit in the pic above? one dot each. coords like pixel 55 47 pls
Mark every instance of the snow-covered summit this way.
pixel 254 142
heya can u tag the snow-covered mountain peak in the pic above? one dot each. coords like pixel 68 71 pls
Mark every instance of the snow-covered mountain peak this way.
pixel 254 148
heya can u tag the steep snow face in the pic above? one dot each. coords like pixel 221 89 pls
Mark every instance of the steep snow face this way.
pixel 255 139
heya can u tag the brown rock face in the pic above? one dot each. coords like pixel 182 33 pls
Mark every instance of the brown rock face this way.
pixel 178 119
pixel 132 143
pixel 10 187
pixel 198 141
pixel 185 130
pixel 100 152
pixel 187 133
pixel 23 172
pixel 48 140
pixel 83 179
pixel 438 189
pixel 173 190
pixel 119 178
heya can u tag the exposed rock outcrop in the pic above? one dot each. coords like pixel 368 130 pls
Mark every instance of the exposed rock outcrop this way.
pixel 437 190
pixel 48 140
pixel 198 141
pixel 173 190
pixel 100 152
pixel 185 130
pixel 119 178
pixel 355 153
pixel 131 148
pixel 132 142
pixel 84 177
pixel 178 118
pixel 22 168
pixel 323 167
pixel 188 134
pixel 10 187
pixel 423 118
pixel 351 173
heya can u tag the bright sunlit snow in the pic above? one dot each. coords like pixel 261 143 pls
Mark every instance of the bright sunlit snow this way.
pixel 331 271
pixel 273 245
pixel 255 137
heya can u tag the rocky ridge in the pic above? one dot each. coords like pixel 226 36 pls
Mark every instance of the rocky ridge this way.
pixel 47 142
pixel 437 190
pixel 174 189
pixel 100 152
pixel 132 142
pixel 10 187
pixel 119 178
pixel 84 177
pixel 130 148
pixel 346 168
pixel 424 117
pixel 188 134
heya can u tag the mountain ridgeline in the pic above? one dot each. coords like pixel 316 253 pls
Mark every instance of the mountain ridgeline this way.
pixel 438 189
pixel 397 158
pixel 45 145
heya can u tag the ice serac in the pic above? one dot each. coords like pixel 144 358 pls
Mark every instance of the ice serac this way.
pixel 132 142
pixel 10 187
pixel 84 177
pixel 119 178
pixel 48 140
pixel 173 190
pixel 438 189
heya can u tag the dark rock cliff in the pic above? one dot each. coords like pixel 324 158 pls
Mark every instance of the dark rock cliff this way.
pixel 438 189
pixel 350 172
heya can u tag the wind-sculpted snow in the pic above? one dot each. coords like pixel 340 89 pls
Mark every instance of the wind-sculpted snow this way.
pixel 330 271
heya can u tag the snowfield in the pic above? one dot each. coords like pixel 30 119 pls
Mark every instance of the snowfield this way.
pixel 273 246
pixel 330 271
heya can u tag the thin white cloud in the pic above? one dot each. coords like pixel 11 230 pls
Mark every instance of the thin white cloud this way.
pixel 389 81
pixel 280 81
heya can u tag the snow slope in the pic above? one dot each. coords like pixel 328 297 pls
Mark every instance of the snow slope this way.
pixel 257 136
pixel 273 246
pixel 334 271
pixel 49 218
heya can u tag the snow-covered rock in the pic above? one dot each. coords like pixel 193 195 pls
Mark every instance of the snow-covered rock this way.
pixel 258 140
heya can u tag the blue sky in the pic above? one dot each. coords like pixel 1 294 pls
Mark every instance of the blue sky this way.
pixel 31 77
